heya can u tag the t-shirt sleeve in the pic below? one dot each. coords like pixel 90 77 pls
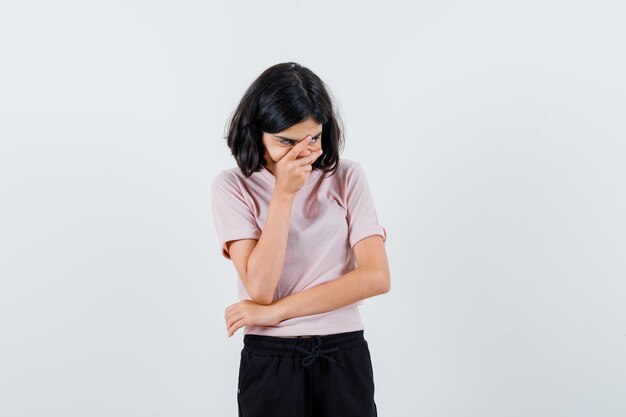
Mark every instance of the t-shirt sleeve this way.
pixel 361 212
pixel 232 215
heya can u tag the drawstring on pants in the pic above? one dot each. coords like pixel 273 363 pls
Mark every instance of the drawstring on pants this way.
pixel 312 355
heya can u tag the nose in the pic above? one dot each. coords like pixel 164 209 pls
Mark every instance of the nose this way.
pixel 307 151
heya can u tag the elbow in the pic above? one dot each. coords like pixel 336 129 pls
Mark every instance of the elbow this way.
pixel 260 296
pixel 262 300
pixel 257 295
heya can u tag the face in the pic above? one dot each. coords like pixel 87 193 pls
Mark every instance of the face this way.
pixel 278 144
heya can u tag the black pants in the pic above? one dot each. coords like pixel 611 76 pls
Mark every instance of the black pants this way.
pixel 320 376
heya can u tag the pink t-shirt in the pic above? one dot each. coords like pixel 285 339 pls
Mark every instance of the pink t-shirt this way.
pixel 330 214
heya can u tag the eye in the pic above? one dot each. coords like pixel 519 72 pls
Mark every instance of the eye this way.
pixel 313 140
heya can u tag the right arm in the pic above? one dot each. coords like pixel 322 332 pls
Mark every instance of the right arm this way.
pixel 260 263
pixel 258 256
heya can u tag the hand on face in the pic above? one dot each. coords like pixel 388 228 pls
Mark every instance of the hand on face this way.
pixel 293 169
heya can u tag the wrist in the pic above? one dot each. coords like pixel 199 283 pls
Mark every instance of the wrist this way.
pixel 280 312
pixel 282 195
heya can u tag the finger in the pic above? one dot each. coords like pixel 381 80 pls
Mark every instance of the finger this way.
pixel 229 316
pixel 293 153
pixel 231 319
pixel 234 327
pixel 230 310
pixel 309 159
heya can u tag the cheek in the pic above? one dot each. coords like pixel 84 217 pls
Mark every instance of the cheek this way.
pixel 276 154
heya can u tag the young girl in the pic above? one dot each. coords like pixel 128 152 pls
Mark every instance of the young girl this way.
pixel 301 229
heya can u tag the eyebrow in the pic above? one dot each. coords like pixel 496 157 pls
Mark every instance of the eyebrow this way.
pixel 294 140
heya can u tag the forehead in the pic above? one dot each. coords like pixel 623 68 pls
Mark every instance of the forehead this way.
pixel 299 131
pixel 313 135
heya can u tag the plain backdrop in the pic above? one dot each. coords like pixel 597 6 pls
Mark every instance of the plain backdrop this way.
pixel 493 138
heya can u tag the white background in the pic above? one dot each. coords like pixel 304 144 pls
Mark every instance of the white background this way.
pixel 492 134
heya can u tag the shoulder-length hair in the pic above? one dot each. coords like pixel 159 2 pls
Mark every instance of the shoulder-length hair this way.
pixel 283 95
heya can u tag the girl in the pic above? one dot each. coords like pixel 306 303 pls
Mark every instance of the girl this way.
pixel 301 229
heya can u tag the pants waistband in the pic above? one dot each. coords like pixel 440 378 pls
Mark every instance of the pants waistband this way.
pixel 311 347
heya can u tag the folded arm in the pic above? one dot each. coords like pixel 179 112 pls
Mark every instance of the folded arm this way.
pixel 369 279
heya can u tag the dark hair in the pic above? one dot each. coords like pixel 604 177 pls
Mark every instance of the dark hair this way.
pixel 283 95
